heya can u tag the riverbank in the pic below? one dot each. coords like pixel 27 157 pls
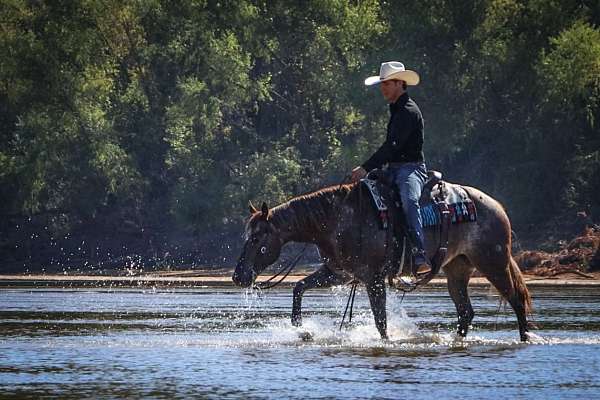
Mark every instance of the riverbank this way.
pixel 575 264
pixel 222 278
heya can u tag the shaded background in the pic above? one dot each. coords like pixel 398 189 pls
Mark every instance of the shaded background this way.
pixel 135 132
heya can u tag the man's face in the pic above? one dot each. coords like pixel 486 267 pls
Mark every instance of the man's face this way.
pixel 391 90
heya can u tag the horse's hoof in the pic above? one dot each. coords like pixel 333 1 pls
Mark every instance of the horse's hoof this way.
pixel 306 336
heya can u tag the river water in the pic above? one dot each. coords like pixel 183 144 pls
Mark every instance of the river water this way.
pixel 228 343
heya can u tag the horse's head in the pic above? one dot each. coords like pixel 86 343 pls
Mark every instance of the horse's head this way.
pixel 261 249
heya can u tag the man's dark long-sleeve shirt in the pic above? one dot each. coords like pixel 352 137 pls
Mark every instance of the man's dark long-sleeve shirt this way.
pixel 404 140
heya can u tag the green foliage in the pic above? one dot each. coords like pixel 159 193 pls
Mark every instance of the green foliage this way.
pixel 569 75
pixel 570 72
pixel 270 177
pixel 180 112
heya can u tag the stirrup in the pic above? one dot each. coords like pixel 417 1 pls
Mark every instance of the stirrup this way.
pixel 418 273
pixel 405 284
pixel 407 281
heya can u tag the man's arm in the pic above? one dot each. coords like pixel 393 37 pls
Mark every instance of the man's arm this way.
pixel 402 126
pixel 380 157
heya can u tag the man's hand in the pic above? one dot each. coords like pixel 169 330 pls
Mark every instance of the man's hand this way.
pixel 357 174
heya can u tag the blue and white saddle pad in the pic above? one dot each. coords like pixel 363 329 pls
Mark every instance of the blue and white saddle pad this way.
pixel 460 205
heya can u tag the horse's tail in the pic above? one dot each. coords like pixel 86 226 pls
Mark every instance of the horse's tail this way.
pixel 519 288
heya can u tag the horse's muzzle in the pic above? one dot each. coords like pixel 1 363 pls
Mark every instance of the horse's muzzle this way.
pixel 243 276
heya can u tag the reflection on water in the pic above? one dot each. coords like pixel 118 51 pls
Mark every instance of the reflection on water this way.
pixel 226 343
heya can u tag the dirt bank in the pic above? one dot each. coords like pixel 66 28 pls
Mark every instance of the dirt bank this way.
pixel 189 279
pixel 575 263
pixel 580 257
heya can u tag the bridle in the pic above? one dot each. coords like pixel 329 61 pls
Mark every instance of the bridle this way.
pixel 285 270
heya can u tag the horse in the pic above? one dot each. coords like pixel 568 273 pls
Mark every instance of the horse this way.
pixel 346 230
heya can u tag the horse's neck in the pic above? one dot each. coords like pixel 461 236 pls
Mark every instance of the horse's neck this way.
pixel 309 218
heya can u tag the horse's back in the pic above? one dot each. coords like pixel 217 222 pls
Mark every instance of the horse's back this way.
pixel 490 229
pixel 491 215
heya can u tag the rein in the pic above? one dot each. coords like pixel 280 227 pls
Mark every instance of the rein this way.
pixel 268 284
pixel 350 303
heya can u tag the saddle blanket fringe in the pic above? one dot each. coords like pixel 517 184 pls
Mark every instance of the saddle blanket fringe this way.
pixel 463 211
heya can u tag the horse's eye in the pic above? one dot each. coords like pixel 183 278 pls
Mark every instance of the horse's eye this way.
pixel 263 250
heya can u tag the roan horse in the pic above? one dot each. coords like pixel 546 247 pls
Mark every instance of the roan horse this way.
pixel 345 228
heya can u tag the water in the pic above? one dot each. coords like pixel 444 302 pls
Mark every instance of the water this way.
pixel 224 343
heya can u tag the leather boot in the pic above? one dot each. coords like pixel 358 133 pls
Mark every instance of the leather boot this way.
pixel 421 263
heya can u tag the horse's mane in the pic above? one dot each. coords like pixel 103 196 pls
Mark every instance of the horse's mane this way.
pixel 311 209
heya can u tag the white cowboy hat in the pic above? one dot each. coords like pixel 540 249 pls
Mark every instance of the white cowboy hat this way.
pixel 394 70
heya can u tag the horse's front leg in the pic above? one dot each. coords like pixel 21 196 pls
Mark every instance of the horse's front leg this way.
pixel 321 278
pixel 376 292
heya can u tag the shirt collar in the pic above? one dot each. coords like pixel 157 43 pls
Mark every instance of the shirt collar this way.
pixel 399 103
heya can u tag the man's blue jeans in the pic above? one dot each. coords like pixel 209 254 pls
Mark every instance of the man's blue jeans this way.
pixel 410 179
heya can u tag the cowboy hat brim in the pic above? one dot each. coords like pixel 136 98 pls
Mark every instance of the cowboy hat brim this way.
pixel 410 77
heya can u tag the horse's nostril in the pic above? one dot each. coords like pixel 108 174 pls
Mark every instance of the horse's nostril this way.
pixel 239 279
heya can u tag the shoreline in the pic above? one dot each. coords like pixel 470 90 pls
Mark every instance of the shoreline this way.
pixel 203 280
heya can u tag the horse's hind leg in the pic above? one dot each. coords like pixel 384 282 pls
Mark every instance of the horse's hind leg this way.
pixel 321 278
pixel 508 280
pixel 458 273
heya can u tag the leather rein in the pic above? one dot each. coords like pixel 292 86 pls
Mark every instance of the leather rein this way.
pixel 285 270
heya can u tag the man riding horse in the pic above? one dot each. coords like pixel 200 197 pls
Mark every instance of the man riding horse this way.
pixel 352 244
pixel 402 151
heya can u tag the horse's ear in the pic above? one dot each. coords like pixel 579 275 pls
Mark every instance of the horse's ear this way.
pixel 264 209
pixel 252 208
